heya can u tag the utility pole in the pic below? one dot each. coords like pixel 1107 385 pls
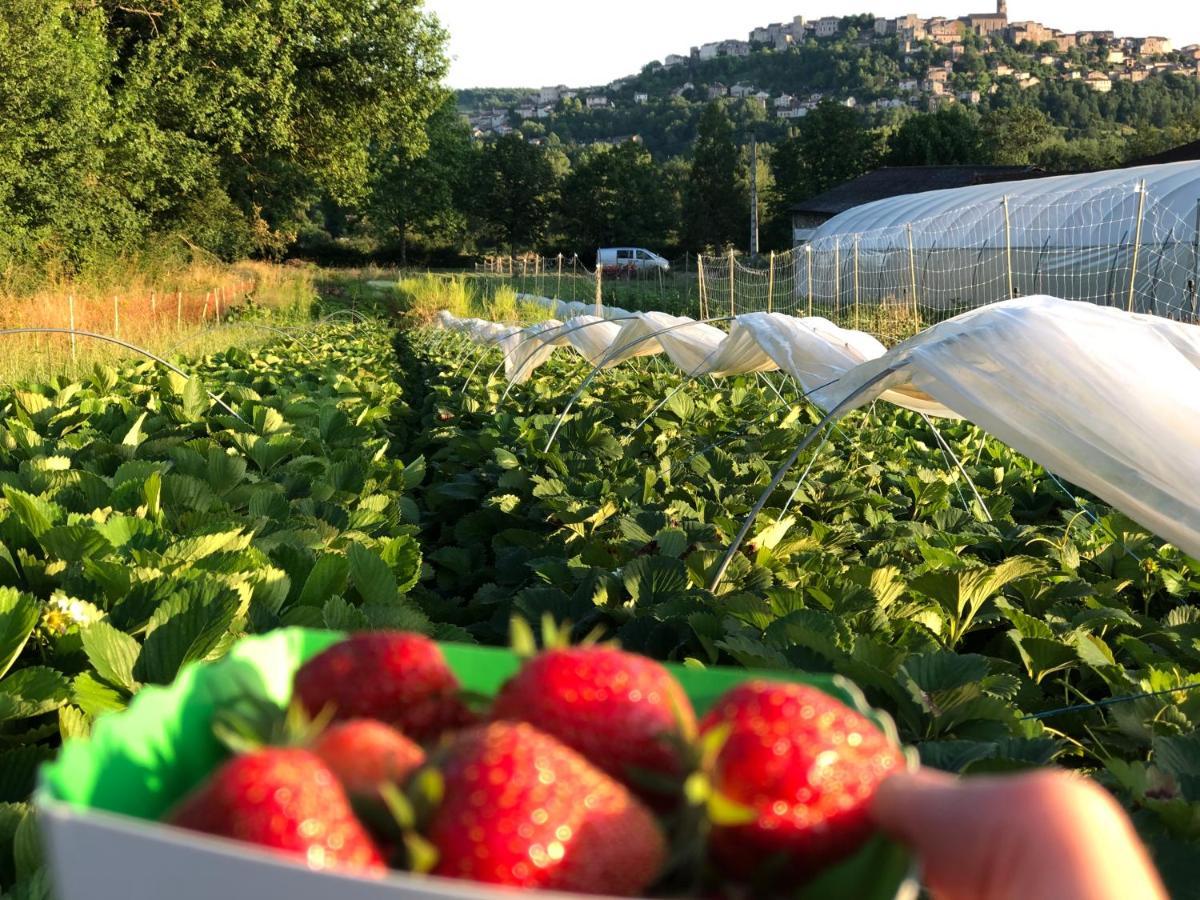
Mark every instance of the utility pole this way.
pixel 753 194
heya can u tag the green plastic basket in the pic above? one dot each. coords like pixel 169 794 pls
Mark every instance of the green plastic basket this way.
pixel 139 762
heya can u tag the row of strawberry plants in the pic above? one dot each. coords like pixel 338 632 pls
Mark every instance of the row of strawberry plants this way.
pixel 975 635
pixel 148 520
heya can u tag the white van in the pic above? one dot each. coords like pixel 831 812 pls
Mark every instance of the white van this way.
pixel 630 258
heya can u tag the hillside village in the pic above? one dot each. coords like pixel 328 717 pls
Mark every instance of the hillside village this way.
pixel 941 61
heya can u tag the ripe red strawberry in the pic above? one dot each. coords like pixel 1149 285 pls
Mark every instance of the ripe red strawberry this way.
pixel 287 800
pixel 394 676
pixel 523 809
pixel 807 765
pixel 364 753
pixel 624 712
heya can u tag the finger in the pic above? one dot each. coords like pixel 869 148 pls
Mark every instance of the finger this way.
pixel 1042 835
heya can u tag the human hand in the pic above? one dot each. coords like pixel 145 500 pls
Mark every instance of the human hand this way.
pixel 1040 836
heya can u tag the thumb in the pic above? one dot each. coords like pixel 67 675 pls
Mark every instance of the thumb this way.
pixel 1039 836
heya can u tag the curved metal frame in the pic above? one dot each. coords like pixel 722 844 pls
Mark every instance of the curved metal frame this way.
pixel 613 352
pixel 128 346
pixel 781 473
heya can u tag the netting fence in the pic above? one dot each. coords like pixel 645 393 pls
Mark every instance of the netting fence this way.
pixel 1115 246
pixel 565 277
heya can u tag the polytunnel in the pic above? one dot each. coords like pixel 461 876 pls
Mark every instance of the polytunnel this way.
pixel 1128 238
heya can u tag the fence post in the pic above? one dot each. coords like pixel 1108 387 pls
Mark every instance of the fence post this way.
pixel 700 285
pixel 856 282
pixel 558 284
pixel 808 254
pixel 912 274
pixel 1137 240
pixel 219 294
pixel 179 310
pixel 1008 248
pixel 837 277
pixel 770 281
pixel 71 312
pixel 116 316
pixel 732 296
pixel 153 304
pixel 599 289
pixel 204 312
pixel 1196 259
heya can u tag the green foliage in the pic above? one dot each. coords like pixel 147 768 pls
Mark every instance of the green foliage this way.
pixel 967 632
pixel 516 188
pixel 617 196
pixel 714 205
pixel 143 528
pixel 219 122
pixel 948 137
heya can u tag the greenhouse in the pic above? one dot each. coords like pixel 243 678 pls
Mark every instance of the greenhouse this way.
pixel 1128 238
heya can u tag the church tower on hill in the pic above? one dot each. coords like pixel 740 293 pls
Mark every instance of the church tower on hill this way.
pixel 1002 8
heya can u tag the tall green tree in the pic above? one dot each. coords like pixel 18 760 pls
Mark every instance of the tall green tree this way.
pixel 715 206
pixel 265 105
pixel 830 146
pixel 57 202
pixel 515 190
pixel 424 192
pixel 949 136
pixel 616 195
pixel 1015 135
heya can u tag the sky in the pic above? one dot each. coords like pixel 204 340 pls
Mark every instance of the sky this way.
pixel 530 43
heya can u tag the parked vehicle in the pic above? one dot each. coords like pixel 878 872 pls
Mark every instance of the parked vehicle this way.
pixel 630 259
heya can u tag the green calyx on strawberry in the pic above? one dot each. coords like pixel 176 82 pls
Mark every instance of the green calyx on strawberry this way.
pixel 396 677
pixel 286 800
pixel 623 711
pixel 795 772
pixel 522 809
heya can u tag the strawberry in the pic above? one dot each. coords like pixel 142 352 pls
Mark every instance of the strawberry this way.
pixel 394 676
pixel 522 809
pixel 622 711
pixel 286 800
pixel 364 754
pixel 804 766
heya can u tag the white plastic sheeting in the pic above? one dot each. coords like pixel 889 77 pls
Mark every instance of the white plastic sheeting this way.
pixel 1108 399
pixel 1173 186
pixel 813 350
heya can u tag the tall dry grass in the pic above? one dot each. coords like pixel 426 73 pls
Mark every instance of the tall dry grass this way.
pixel 159 310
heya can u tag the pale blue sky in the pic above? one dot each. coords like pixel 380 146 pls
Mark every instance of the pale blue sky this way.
pixel 529 43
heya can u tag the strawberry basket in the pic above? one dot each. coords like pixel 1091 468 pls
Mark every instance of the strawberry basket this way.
pixel 100 801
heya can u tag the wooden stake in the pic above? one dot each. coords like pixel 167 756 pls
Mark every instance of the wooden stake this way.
pixel 732 300
pixel 71 312
pixel 599 289
pixel 912 273
pixel 700 280
pixel 179 310
pixel 116 316
pixel 1137 240
pixel 856 282
pixel 808 253
pixel 770 280
pixel 1008 249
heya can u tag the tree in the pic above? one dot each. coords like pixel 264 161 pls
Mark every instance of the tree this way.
pixel 1013 135
pixel 57 205
pixel 515 190
pixel 830 147
pixel 424 192
pixel 947 137
pixel 616 195
pixel 714 205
